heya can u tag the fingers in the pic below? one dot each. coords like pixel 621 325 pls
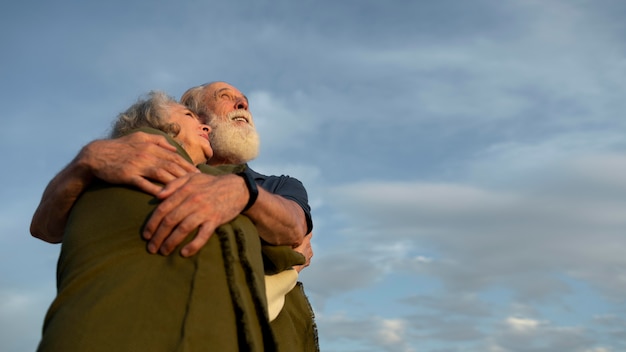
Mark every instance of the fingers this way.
pixel 306 242
pixel 188 202
pixel 305 249
pixel 204 234
pixel 172 231
pixel 138 155
pixel 161 222
pixel 177 236
pixel 171 211
pixel 187 222
pixel 173 186
pixel 146 186
pixel 168 162
pixel 159 165
pixel 174 218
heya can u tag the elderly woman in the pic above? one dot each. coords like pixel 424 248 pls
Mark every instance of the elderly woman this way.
pixel 115 296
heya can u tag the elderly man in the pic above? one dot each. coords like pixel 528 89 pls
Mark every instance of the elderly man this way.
pixel 278 208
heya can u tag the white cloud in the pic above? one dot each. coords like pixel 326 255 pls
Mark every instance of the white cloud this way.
pixel 450 151
pixel 373 333
pixel 522 325
pixel 493 236
pixel 392 330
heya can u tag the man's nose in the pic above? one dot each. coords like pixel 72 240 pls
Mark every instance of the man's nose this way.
pixel 241 103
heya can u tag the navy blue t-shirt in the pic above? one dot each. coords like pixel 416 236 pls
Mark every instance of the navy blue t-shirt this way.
pixel 287 187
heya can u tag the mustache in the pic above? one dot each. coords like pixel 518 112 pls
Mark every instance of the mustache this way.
pixel 240 113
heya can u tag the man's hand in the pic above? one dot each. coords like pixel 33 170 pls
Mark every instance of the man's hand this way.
pixel 136 160
pixel 133 160
pixel 192 201
pixel 306 250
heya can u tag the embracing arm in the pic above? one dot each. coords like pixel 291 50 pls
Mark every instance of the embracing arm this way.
pixel 57 200
pixel 136 160
pixel 208 201
pixel 280 221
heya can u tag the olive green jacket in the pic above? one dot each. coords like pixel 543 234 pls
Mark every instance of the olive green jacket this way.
pixel 112 295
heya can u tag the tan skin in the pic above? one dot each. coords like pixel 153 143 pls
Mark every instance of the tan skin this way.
pixel 205 201
pixel 306 250
pixel 193 135
pixel 190 199
pixel 132 160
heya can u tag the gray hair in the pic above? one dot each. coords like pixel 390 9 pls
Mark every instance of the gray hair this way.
pixel 195 100
pixel 150 111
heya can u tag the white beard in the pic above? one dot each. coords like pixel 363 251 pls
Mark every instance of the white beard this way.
pixel 233 144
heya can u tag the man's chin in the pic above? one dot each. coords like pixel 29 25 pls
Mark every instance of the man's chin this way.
pixel 236 151
pixel 234 144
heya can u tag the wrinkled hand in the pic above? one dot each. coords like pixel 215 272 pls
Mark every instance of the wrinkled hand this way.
pixel 306 250
pixel 136 160
pixel 192 201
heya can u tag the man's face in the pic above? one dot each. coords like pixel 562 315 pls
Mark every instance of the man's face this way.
pixel 233 136
pixel 221 98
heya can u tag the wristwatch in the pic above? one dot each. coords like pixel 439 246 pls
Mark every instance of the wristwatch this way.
pixel 252 189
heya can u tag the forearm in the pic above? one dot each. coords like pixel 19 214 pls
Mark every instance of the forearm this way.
pixel 206 201
pixel 279 221
pixel 136 160
pixel 49 220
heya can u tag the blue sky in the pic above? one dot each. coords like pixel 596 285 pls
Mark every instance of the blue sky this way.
pixel 465 161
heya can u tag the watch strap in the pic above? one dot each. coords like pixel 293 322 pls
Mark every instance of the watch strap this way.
pixel 252 189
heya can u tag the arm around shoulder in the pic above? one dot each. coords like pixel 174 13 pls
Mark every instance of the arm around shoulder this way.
pixel 136 159
pixel 49 220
